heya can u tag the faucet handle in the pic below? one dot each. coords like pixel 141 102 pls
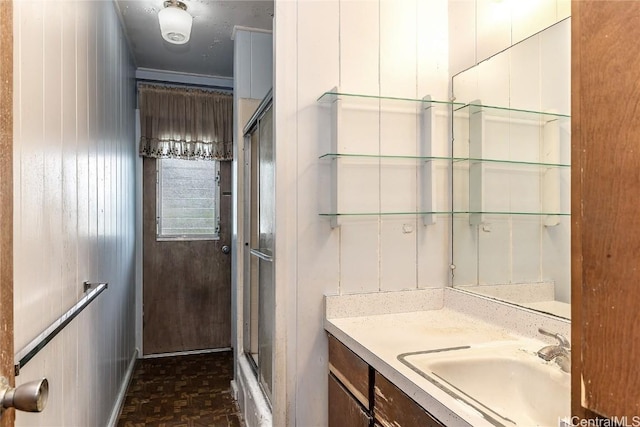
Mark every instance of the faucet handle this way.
pixel 562 340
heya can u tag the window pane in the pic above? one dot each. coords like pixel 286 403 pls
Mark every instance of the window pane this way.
pixel 188 198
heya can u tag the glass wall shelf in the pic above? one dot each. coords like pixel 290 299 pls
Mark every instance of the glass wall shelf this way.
pixel 351 115
pixel 383 213
pixel 458 107
pixel 511 162
pixel 531 162
pixel 511 113
pixel 346 214
pixel 331 96
pixel 332 156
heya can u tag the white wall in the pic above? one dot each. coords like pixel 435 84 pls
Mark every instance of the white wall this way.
pixel 74 202
pixel 375 47
pixel 252 63
pixel 479 29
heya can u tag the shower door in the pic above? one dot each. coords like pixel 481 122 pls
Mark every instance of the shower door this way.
pixel 259 226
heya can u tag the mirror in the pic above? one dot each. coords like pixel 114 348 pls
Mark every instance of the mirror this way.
pixel 511 174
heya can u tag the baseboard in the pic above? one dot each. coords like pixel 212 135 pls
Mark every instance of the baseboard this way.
pixel 234 390
pixel 115 413
pixel 186 353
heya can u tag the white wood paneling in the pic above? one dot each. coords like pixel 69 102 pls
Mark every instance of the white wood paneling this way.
pixel 432 50
pixel 242 64
pixel 563 9
pixel 462 34
pixel 494 76
pixel 524 75
pixel 479 29
pixel 253 63
pixel 359 72
pixel 368 47
pixel 398 46
pixel 531 16
pixel 74 197
pixel 555 69
pixel 261 64
pixel 69 181
pixel 493 28
pixel 359 48
pixel 319 247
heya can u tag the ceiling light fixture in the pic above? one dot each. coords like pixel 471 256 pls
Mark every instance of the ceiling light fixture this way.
pixel 175 22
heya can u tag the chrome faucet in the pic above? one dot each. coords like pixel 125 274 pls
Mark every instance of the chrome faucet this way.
pixel 560 353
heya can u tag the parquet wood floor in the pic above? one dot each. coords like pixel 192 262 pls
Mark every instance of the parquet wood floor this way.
pixel 182 391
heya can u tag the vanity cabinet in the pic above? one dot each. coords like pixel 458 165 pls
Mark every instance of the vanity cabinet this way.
pixel 359 396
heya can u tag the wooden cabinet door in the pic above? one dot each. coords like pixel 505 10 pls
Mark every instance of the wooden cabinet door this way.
pixel 605 208
pixel 344 409
pixel 393 408
pixel 350 370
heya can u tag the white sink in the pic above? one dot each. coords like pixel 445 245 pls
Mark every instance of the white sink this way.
pixel 506 382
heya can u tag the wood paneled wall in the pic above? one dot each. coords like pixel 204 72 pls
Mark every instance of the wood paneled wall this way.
pixel 74 199
pixel 374 47
pixel 186 284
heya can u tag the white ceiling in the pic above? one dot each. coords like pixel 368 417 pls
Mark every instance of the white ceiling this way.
pixel 210 49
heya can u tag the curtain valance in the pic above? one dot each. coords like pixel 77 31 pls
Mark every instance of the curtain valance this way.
pixel 185 123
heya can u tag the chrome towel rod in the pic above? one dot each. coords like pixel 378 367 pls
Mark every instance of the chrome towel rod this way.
pixel 261 254
pixel 27 353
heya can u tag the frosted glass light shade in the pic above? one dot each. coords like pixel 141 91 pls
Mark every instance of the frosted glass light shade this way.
pixel 175 24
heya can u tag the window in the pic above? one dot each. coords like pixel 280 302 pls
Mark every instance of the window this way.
pixel 188 199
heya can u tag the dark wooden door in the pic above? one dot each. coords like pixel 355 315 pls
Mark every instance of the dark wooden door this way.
pixel 186 284
pixel 605 208
pixel 6 200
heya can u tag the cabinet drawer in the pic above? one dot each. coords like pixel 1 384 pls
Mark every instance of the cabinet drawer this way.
pixel 393 408
pixel 344 410
pixel 350 370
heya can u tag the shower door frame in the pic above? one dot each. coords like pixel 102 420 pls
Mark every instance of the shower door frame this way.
pixel 251 200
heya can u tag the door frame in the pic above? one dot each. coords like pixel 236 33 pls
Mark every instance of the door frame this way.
pixel 604 234
pixel 6 200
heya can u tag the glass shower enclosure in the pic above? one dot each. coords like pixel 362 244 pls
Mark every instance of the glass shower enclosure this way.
pixel 259 226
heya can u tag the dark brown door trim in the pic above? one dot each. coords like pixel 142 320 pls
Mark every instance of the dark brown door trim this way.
pixel 605 186
pixel 6 199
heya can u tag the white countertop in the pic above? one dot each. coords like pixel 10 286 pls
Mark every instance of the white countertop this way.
pixel 380 338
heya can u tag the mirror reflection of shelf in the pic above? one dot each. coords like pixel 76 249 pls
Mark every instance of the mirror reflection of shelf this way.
pixel 511 162
pixel 523 119
pixel 532 172
pixel 455 213
pixel 511 114
pixel 435 158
